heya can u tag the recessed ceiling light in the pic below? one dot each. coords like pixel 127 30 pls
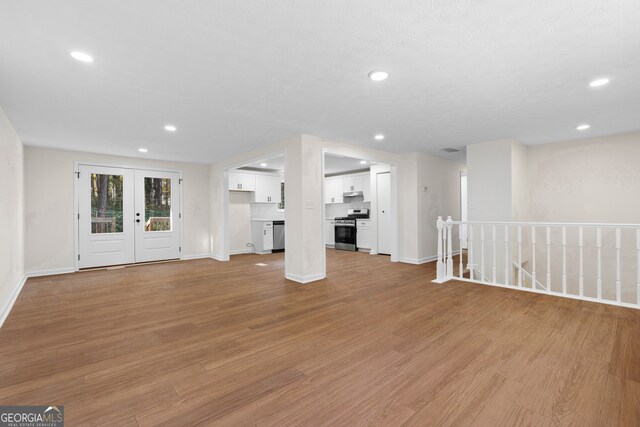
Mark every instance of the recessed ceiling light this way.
pixel 81 56
pixel 170 128
pixel 378 76
pixel 363 162
pixel 599 82
pixel 379 137
pixel 583 126
pixel 142 150
pixel 264 165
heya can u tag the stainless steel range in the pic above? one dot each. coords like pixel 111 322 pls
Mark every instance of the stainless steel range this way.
pixel 346 230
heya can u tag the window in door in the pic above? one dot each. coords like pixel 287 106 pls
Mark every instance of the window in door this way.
pixel 157 209
pixel 281 204
pixel 106 203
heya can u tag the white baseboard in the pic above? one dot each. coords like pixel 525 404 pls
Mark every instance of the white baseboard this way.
pixel 218 258
pixel 417 261
pixel 14 296
pixel 241 251
pixel 195 256
pixel 305 279
pixel 51 272
pixel 424 260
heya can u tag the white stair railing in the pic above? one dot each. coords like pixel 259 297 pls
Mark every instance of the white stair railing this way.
pixel 592 262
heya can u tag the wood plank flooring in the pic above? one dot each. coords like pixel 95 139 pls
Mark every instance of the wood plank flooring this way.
pixel 208 343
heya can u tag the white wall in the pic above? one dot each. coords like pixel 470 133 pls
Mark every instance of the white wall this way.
pixel 590 180
pixel 239 221
pixel 497 177
pixel 489 181
pixel 441 197
pixel 49 188
pixel 11 215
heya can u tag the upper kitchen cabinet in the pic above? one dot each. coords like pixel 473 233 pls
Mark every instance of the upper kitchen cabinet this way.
pixel 242 182
pixel 267 189
pixel 352 183
pixel 333 190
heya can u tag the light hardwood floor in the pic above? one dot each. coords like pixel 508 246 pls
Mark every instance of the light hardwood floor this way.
pixel 208 343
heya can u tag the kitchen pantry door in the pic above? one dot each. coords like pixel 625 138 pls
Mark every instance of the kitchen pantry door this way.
pixel 127 216
pixel 383 181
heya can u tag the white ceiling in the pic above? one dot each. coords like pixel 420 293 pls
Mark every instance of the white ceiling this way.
pixel 333 164
pixel 236 75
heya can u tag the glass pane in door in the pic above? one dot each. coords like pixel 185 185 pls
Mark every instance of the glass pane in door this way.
pixel 106 203
pixel 157 204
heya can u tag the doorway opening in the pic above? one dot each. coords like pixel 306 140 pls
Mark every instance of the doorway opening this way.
pixel 359 206
pixel 256 206
pixel 126 216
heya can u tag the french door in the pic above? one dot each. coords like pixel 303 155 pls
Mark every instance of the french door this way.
pixel 127 215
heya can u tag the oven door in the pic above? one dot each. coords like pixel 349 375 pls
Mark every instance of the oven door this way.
pixel 345 237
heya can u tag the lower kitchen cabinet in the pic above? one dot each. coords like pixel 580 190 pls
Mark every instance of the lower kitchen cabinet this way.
pixel 364 234
pixel 330 232
pixel 262 236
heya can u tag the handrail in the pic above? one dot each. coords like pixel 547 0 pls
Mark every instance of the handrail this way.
pixel 498 244
pixel 550 224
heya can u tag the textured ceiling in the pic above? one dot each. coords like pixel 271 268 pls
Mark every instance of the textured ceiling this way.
pixel 236 75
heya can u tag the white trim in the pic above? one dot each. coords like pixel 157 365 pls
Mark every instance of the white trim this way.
pixel 424 260
pixel 218 258
pixel 14 296
pixel 115 165
pixel 194 256
pixel 241 251
pixel 418 261
pixel 305 279
pixel 51 272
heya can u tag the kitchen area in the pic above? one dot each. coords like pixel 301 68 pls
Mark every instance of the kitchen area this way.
pixel 357 206
pixel 357 202
pixel 256 207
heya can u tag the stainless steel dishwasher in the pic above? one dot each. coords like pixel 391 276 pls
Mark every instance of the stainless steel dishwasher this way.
pixel 278 236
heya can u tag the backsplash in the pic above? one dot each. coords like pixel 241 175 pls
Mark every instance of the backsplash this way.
pixel 333 210
pixel 266 210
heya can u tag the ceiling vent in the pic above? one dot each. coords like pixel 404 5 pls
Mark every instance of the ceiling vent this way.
pixel 450 150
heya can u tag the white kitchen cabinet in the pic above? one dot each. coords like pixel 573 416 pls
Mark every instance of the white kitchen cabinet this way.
pixel 262 236
pixel 366 188
pixel 242 182
pixel 351 183
pixel 364 234
pixel 267 189
pixel 329 232
pixel 333 190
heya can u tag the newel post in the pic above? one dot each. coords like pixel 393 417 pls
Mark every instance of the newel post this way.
pixel 440 270
pixel 449 247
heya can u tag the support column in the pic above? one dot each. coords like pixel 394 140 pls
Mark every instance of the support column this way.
pixel 305 256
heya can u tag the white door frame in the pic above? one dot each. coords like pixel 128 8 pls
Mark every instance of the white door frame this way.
pixel 76 202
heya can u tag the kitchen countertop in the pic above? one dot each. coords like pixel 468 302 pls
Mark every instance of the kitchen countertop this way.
pixel 266 219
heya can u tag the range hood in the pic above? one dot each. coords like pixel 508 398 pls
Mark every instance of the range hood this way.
pixel 352 194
